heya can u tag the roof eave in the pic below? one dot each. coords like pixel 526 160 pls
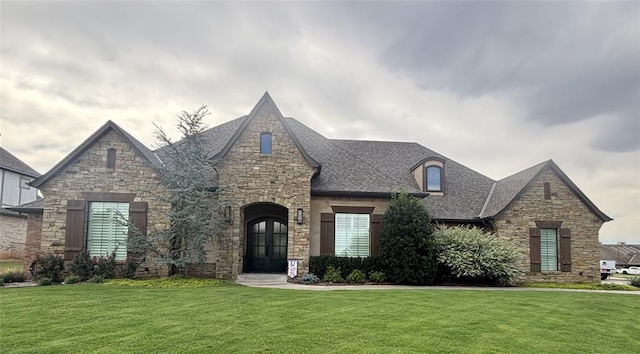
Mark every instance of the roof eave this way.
pixel 339 193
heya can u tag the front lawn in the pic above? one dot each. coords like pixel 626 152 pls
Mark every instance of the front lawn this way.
pixel 229 318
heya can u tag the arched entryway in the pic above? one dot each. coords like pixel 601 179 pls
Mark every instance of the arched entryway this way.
pixel 266 239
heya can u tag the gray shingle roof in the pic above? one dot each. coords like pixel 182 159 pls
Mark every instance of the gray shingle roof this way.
pixel 9 162
pixel 30 207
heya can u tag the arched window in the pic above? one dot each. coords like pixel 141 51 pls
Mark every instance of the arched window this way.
pixel 433 178
pixel 265 143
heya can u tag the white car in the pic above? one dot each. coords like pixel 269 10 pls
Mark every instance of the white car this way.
pixel 630 270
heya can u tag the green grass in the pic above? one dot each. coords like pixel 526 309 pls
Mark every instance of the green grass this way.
pixel 230 319
pixel 10 265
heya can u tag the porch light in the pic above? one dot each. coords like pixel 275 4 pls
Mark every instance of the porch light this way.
pixel 299 216
pixel 227 213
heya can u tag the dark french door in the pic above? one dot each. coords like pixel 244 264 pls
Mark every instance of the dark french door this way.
pixel 267 246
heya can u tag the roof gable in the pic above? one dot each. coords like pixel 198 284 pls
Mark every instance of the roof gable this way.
pixel 9 162
pixel 264 100
pixel 109 126
pixel 506 191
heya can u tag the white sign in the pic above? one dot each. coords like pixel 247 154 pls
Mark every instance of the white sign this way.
pixel 293 268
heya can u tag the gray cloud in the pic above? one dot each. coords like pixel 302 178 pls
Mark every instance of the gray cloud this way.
pixel 478 81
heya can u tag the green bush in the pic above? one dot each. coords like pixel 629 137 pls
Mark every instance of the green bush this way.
pixel 1 280
pixel 309 278
pixel 130 267
pixel 406 246
pixel 635 281
pixel 96 279
pixel 72 279
pixel 47 266
pixel 356 277
pixel 318 264
pixel 13 276
pixel 333 275
pixel 469 255
pixel 45 281
pixel 377 277
pixel 82 265
pixel 105 267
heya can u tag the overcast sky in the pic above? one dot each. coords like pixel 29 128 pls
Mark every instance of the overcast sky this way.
pixel 496 86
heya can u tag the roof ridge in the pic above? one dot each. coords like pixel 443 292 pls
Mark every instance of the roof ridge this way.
pixel 486 202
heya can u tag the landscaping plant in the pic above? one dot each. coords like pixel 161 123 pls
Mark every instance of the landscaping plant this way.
pixel 406 246
pixel 47 267
pixel 469 255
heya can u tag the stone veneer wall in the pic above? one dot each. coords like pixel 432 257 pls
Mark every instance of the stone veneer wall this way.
pixel 13 232
pixel 247 177
pixel 88 173
pixel 34 240
pixel 515 222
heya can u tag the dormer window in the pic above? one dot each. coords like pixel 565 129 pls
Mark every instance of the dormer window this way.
pixel 429 175
pixel 265 144
pixel 433 179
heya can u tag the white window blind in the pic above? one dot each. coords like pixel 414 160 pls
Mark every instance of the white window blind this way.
pixel 352 235
pixel 549 249
pixel 107 231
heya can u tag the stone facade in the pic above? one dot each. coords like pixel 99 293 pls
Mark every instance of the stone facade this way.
pixel 13 231
pixel 563 205
pixel 89 174
pixel 248 177
pixel 34 241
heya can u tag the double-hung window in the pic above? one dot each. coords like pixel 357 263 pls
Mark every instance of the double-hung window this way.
pixel 352 235
pixel 107 230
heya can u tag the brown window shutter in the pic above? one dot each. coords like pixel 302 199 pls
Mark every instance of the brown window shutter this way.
pixel 74 238
pixel 534 253
pixel 327 234
pixel 565 250
pixel 374 231
pixel 138 216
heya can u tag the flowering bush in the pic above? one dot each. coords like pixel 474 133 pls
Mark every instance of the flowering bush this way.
pixel 473 256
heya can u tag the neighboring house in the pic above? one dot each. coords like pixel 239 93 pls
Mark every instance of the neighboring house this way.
pixel 625 255
pixel 15 177
pixel 290 193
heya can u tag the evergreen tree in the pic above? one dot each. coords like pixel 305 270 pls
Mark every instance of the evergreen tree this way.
pixel 187 174
pixel 407 249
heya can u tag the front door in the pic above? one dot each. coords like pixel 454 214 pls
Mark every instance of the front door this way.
pixel 267 246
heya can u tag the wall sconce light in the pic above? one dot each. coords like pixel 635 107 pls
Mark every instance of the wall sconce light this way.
pixel 299 216
pixel 227 213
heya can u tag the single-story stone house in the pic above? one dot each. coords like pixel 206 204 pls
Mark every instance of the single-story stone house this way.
pixel 289 193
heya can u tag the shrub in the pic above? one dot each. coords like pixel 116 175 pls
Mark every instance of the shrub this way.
pixel 377 277
pixel 130 268
pixel 309 278
pixel 356 277
pixel 13 276
pixel 318 264
pixel 473 256
pixel 82 265
pixel 105 267
pixel 635 281
pixel 1 280
pixel 406 246
pixel 45 281
pixel 333 275
pixel 72 279
pixel 47 266
pixel 96 279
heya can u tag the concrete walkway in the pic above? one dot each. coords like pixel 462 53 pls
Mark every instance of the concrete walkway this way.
pixel 280 282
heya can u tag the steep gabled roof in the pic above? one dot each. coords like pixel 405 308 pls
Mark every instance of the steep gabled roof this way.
pixel 9 162
pixel 138 147
pixel 508 189
pixel 265 100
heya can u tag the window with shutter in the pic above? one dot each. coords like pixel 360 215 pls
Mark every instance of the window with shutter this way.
pixel 352 235
pixel 327 234
pixel 107 229
pixel 549 249
pixel 74 236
